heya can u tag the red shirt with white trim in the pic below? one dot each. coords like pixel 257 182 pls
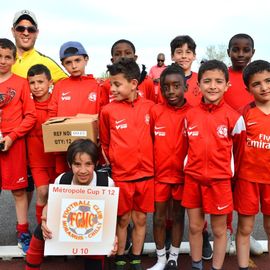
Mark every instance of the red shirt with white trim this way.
pixel 214 132
pixel 126 140
pixel 256 157
pixel 170 146
pixel 75 95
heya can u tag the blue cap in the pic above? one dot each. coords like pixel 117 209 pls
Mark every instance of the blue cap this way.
pixel 76 49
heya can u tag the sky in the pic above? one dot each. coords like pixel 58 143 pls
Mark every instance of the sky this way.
pixel 149 24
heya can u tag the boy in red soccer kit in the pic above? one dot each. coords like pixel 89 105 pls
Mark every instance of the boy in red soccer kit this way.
pixel 125 48
pixel 214 130
pixel 167 126
pixel 126 140
pixel 17 117
pixel 252 186
pixel 42 164
pixel 240 50
pixel 77 94
pixel 183 53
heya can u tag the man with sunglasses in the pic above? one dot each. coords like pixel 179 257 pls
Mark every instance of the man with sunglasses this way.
pixel 25 32
pixel 156 70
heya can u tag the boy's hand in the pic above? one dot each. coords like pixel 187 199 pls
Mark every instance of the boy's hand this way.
pixel 7 143
pixel 115 247
pixel 47 234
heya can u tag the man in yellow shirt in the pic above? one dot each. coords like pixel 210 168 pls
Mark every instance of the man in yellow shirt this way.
pixel 25 32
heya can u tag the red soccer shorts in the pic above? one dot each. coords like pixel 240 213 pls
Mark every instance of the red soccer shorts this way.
pixel 164 191
pixel 214 198
pixel 248 195
pixel 136 195
pixel 43 176
pixel 13 166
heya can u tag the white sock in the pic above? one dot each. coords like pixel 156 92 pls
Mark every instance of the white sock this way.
pixel 162 260
pixel 174 251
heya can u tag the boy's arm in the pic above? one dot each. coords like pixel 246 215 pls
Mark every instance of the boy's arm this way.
pixel 29 115
pixel 104 132
pixel 53 105
pixel 239 139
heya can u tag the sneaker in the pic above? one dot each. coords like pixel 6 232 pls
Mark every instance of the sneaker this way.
pixel 207 251
pixel 136 265
pixel 24 241
pixel 171 265
pixel 255 247
pixel 168 240
pixel 230 248
pixel 120 265
pixel 158 266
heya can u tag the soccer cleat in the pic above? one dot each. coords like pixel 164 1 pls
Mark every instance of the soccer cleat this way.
pixel 255 247
pixel 171 265
pixel 207 251
pixel 24 241
pixel 230 248
pixel 120 265
pixel 136 265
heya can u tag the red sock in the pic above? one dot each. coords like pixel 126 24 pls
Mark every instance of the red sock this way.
pixel 22 228
pixel 39 209
pixel 35 254
pixel 229 221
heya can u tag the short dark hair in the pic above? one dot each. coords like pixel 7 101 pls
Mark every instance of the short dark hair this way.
pixel 254 67
pixel 82 146
pixel 8 44
pixel 171 69
pixel 126 66
pixel 38 70
pixel 179 41
pixel 212 65
pixel 240 36
pixel 123 41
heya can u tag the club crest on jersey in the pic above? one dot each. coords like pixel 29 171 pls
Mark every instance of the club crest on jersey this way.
pixel 6 98
pixel 222 131
pixel 147 119
pixel 92 96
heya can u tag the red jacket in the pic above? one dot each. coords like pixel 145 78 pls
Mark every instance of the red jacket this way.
pixel 170 146
pixel 18 109
pixel 126 140
pixel 35 149
pixel 75 95
pixel 145 89
pixel 193 94
pixel 237 96
pixel 256 157
pixel 213 131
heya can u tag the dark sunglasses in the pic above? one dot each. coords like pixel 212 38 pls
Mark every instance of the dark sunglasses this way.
pixel 30 29
pixel 160 60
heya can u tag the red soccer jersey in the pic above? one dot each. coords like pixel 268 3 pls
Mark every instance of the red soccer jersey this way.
pixel 237 96
pixel 35 149
pixel 170 146
pixel 193 94
pixel 213 131
pixel 75 95
pixel 18 109
pixel 145 89
pixel 126 140
pixel 256 157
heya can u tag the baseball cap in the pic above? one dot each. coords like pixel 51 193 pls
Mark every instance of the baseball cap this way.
pixel 71 48
pixel 25 14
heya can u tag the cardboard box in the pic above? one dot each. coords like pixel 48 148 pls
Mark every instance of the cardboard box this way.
pixel 60 132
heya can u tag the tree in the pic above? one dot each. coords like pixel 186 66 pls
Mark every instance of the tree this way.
pixel 218 52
